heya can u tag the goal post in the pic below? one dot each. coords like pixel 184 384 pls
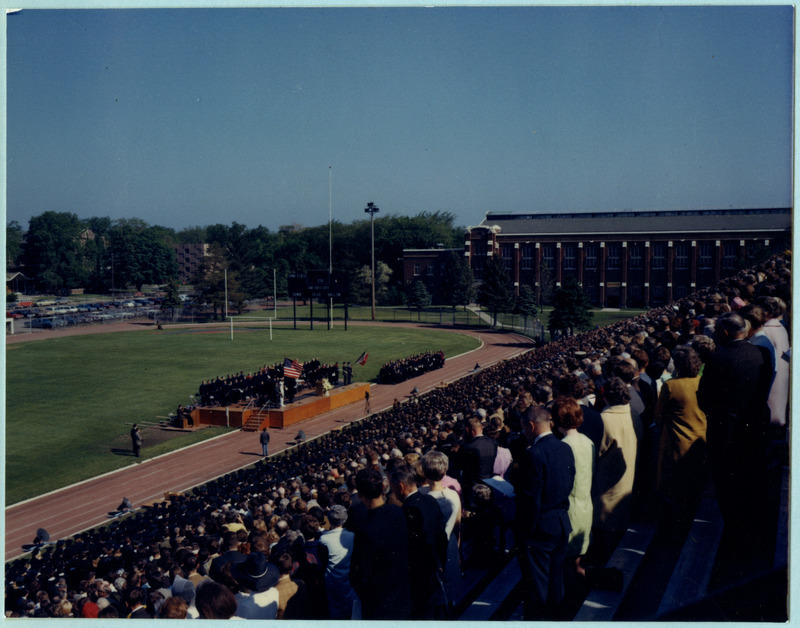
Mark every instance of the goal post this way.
pixel 252 321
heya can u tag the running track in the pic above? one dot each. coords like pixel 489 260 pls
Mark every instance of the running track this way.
pixel 84 505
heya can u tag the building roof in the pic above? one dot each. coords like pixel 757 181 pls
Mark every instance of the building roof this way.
pixel 639 222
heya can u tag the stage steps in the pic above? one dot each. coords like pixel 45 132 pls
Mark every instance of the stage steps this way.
pixel 255 421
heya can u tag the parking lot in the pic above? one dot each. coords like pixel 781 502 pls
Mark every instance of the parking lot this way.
pixel 69 314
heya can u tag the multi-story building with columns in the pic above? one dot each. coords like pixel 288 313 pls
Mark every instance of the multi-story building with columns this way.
pixel 624 258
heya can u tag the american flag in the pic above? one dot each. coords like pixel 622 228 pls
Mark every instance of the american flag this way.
pixel 292 368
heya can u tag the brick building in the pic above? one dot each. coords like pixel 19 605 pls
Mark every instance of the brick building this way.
pixel 622 259
pixel 190 259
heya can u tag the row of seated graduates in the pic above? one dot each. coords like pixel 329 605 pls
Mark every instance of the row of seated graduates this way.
pixel 401 370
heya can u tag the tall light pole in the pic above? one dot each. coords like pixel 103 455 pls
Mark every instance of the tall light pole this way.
pixel 371 209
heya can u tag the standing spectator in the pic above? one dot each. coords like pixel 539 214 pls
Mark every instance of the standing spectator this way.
pixel 427 545
pixel 615 471
pixel 733 392
pixel 264 440
pixel 379 567
pixel 136 440
pixel 478 457
pixel 682 443
pixel 339 543
pixel 778 400
pixel 567 418
pixel 434 467
pixel 543 484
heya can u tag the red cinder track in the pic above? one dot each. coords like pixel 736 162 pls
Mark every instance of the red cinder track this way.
pixel 81 506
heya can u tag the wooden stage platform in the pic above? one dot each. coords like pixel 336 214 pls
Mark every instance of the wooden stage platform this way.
pixel 305 406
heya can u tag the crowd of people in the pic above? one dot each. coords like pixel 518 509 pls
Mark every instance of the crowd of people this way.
pixel 398 371
pixel 378 520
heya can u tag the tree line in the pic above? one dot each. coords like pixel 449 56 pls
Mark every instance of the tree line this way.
pixel 60 252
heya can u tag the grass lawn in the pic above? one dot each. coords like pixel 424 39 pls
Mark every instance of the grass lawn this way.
pixel 70 401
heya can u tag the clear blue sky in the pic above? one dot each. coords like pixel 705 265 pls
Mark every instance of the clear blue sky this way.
pixel 200 116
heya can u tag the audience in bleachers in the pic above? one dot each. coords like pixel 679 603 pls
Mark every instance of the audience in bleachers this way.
pixel 316 533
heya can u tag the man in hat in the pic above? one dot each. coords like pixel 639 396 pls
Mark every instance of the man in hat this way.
pixel 136 440
pixel 337 572
pixel 258 597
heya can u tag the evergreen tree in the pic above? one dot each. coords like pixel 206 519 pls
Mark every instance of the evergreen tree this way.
pixel 525 303
pixel 458 287
pixel 496 292
pixel 548 284
pixel 418 297
pixel 572 309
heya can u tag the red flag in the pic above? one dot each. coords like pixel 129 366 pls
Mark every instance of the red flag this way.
pixel 292 368
pixel 362 359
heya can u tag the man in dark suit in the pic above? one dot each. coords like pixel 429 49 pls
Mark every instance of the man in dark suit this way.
pixel 229 553
pixel 542 485
pixel 733 393
pixel 478 457
pixel 427 541
pixel 135 600
pixel 136 440
pixel 379 565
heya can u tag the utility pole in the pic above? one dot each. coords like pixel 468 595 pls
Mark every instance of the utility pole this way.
pixel 371 209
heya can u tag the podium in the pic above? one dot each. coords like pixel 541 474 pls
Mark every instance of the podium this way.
pixel 304 407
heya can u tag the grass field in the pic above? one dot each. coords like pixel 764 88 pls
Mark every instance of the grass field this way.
pixel 70 401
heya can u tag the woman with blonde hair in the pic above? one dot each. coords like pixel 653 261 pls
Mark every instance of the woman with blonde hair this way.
pixel 434 467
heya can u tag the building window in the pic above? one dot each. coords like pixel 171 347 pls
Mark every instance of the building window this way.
pixel 591 257
pixel 681 256
pixel 569 260
pixel 706 256
pixel 612 259
pixel 416 269
pixel 729 253
pixel 507 253
pixel 527 256
pixel 479 248
pixel 549 256
pixel 429 269
pixel 659 260
pixel 635 261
